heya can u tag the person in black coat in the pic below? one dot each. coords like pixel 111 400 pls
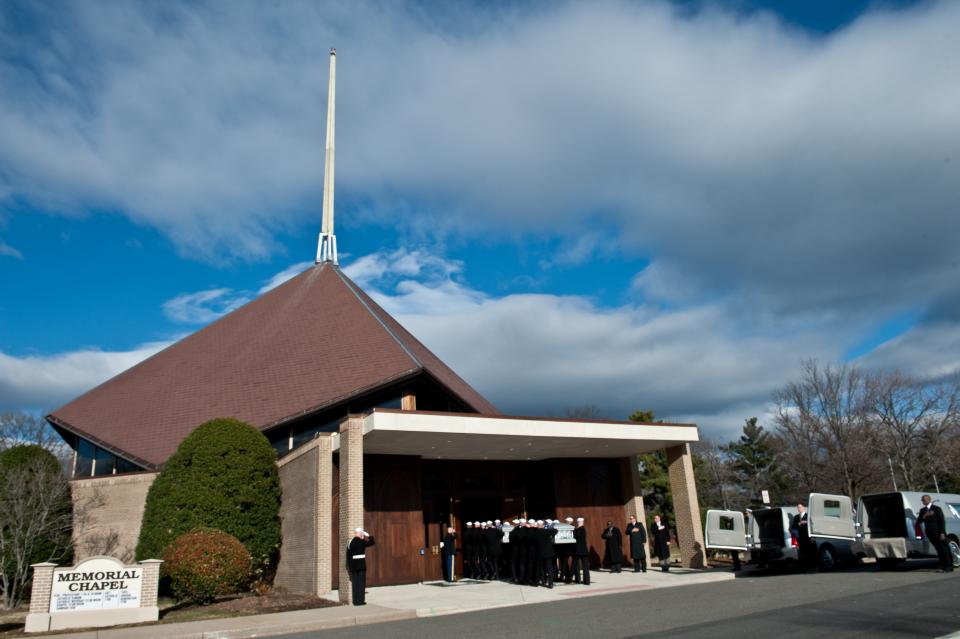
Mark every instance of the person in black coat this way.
pixel 806 549
pixel 548 557
pixel 935 527
pixel 613 554
pixel 533 553
pixel 518 552
pixel 357 564
pixel 637 534
pixel 581 553
pixel 448 550
pixel 661 542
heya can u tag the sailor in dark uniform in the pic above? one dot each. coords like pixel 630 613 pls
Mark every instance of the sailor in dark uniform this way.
pixel 448 550
pixel 581 553
pixel 548 557
pixel 533 552
pixel 613 554
pixel 357 564
pixel 467 548
pixel 637 535
pixel 518 539
pixel 494 539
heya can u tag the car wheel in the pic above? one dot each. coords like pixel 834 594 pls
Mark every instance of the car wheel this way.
pixel 827 560
pixel 954 552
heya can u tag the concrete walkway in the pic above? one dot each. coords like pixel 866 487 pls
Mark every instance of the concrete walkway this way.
pixel 439 598
pixel 395 603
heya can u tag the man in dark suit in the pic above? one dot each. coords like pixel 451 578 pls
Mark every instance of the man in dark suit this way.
pixel 613 554
pixel 637 535
pixel 935 527
pixel 661 542
pixel 357 564
pixel 581 553
pixel 448 550
pixel 806 548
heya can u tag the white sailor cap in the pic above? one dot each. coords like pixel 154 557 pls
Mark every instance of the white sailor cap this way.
pixel 579 518
pixel 523 520
pixel 470 523
pixel 496 521
pixel 515 521
pixel 358 530
pixel 569 519
pixel 489 523
pixel 549 521
pixel 539 522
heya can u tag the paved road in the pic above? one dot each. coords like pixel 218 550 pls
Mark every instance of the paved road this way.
pixel 911 602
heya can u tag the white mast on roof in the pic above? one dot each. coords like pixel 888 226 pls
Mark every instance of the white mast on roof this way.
pixel 327 246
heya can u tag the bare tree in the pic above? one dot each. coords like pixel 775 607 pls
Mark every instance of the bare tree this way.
pixel 824 419
pixel 715 483
pixel 35 521
pixel 25 428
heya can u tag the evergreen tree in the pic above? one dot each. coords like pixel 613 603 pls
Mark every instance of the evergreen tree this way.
pixel 753 462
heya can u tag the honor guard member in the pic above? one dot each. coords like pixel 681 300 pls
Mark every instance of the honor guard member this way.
pixel 476 549
pixel 565 557
pixel 661 542
pixel 532 558
pixel 494 550
pixel 518 539
pixel 508 551
pixel 483 544
pixel 448 550
pixel 548 557
pixel 613 553
pixel 581 553
pixel 637 535
pixel 357 564
pixel 467 549
pixel 935 528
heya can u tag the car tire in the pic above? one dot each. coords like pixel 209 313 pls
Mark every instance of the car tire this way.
pixel 828 560
pixel 954 552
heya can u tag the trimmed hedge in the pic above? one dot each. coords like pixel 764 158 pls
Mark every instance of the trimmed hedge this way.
pixel 205 563
pixel 223 476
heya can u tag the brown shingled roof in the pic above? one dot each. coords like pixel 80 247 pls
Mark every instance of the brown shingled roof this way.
pixel 308 344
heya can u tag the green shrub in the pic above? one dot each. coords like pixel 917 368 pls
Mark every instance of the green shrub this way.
pixel 205 563
pixel 223 476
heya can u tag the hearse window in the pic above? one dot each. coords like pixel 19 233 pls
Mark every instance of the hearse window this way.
pixel 726 523
pixel 831 508
pixel 954 510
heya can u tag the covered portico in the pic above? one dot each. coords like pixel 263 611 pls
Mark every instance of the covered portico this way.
pixel 403 475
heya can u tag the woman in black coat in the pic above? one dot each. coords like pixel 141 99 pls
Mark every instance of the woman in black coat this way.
pixel 661 542
pixel 638 544
pixel 614 550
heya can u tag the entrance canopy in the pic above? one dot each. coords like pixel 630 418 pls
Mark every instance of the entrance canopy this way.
pixel 470 436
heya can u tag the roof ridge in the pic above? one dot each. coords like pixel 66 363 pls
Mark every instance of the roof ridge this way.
pixel 377 317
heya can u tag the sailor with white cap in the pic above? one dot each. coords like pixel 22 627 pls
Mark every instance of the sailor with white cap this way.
pixel 357 564
pixel 581 553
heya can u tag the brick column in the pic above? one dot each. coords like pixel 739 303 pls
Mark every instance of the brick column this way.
pixel 632 497
pixel 42 587
pixel 150 583
pixel 38 619
pixel 686 506
pixel 324 513
pixel 351 494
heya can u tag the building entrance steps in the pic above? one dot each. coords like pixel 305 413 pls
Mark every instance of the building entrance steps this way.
pixel 439 598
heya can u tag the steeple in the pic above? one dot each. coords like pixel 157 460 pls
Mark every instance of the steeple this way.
pixel 327 245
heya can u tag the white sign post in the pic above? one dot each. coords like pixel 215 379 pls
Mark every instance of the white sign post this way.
pixel 97 592
pixel 765 496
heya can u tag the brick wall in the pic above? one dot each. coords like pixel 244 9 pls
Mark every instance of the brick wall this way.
pixel 297 569
pixel 107 515
pixel 686 506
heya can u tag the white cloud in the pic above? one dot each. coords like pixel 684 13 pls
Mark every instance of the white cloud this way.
pixel 46 381
pixel 202 307
pixel 288 273
pixel 9 251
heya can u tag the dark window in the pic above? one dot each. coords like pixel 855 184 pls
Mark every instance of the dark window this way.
pixel 105 463
pixel 831 508
pixel 281 444
pixel 123 466
pixel 726 523
pixel 85 452
pixel 306 433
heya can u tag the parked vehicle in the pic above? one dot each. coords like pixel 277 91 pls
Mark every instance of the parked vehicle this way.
pixel 888 529
pixel 770 541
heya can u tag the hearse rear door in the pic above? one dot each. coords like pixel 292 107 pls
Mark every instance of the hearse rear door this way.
pixel 831 516
pixel 725 530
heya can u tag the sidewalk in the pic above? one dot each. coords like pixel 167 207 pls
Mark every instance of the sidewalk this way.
pixel 395 603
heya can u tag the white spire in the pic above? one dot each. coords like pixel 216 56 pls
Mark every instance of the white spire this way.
pixel 327 246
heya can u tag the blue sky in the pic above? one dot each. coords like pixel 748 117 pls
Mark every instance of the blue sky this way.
pixel 626 204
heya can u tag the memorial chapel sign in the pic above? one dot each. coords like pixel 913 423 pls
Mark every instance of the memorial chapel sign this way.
pixel 100 591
